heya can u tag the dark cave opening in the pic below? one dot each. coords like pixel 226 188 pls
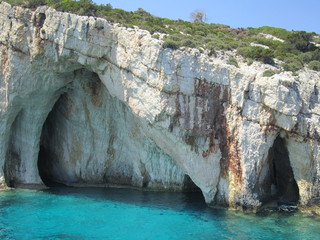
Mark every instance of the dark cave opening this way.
pixel 189 185
pixel 47 161
pixel 45 164
pixel 283 186
pixel 13 157
pixel 192 193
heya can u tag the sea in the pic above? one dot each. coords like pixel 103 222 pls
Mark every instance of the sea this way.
pixel 128 214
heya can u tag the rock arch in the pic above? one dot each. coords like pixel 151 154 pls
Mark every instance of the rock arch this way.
pixel 90 137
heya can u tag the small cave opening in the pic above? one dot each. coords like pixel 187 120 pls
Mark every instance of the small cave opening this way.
pixel 283 186
pixel 193 194
pixel 189 185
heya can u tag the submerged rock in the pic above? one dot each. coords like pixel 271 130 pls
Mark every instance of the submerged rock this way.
pixel 84 101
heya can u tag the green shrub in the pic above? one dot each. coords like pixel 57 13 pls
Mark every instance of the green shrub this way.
pixel 216 44
pixel 314 65
pixel 188 43
pixel 156 36
pixel 249 61
pixel 257 53
pixel 306 57
pixel 316 54
pixel 169 43
pixel 277 32
pixel 28 3
pixel 267 42
pixel 301 41
pixel 200 33
pixel 292 64
pixel 269 73
pixel 233 61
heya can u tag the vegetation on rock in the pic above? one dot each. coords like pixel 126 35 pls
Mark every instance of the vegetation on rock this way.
pixel 293 49
pixel 269 73
pixel 314 65
pixel 233 61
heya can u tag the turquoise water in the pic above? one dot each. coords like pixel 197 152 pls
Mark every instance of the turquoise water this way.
pixel 126 214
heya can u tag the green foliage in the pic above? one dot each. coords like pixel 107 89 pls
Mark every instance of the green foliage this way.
pixel 28 3
pixel 292 63
pixel 81 7
pixel 277 32
pixel 249 61
pixel 156 36
pixel 272 44
pixel 306 57
pixel 169 43
pixel 188 43
pixel 233 61
pixel 300 40
pixel 264 55
pixel 314 65
pixel 269 73
pixel 296 50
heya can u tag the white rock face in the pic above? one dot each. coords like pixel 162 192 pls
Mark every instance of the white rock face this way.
pixel 83 101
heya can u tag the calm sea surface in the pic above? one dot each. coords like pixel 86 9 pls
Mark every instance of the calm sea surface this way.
pixel 97 213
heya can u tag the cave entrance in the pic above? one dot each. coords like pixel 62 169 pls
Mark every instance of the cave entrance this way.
pixel 283 186
pixel 69 121
pixel 193 194
pixel 189 185
pixel 44 166
pixel 47 161
pixel 80 143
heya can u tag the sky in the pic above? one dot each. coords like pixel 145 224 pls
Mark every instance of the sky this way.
pixel 288 14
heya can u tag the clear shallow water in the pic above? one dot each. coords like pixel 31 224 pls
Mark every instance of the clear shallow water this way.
pixel 127 214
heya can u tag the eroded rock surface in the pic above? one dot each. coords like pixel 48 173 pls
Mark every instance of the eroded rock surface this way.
pixel 83 101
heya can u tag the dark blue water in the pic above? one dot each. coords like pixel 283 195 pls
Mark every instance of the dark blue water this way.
pixel 73 213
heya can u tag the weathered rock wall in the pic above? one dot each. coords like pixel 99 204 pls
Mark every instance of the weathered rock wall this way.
pixel 106 104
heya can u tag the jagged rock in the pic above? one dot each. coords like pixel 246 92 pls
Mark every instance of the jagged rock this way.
pixel 84 101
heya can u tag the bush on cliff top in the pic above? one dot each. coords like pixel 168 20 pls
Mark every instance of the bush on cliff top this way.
pixel 295 49
pixel 264 55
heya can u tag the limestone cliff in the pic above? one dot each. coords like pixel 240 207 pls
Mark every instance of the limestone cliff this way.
pixel 83 101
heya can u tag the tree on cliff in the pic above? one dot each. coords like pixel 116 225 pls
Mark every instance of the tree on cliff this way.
pixel 198 16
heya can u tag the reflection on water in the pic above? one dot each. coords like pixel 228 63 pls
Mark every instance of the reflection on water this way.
pixel 96 213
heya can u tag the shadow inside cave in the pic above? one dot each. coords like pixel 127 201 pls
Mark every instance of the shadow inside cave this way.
pixel 281 186
pixel 48 163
